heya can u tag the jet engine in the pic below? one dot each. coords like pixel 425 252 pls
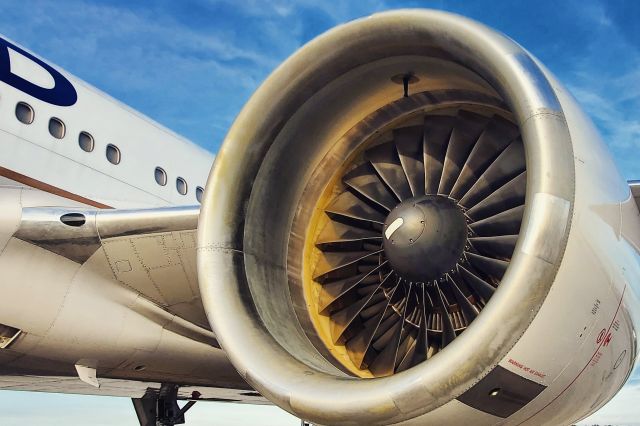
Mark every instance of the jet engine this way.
pixel 411 222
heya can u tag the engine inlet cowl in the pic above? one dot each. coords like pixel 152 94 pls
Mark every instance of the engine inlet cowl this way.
pixel 301 261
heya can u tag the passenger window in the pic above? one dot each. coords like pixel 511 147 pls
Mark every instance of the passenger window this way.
pixel 199 193
pixel 113 154
pixel 24 113
pixel 56 128
pixel 86 142
pixel 161 176
pixel 181 185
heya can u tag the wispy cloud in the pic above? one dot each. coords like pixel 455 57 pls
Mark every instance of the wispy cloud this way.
pixel 622 410
pixel 605 79
pixel 191 67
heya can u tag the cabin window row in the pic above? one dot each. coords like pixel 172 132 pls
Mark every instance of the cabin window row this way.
pixel 181 184
pixel 25 114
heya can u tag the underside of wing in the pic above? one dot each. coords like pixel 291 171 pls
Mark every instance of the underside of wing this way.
pixel 151 251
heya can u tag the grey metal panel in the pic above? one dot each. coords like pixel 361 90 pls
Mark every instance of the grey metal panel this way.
pixel 117 223
pixel 162 267
pixel 501 393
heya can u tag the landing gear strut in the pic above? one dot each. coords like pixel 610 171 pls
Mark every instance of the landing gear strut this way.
pixel 160 408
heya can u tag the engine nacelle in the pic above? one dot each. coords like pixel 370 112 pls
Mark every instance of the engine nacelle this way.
pixel 412 222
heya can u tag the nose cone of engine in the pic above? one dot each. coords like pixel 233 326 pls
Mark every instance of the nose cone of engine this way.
pixel 424 237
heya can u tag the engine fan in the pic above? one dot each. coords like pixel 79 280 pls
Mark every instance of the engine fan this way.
pixel 418 236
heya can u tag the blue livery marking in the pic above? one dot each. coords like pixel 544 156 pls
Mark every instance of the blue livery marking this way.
pixel 62 93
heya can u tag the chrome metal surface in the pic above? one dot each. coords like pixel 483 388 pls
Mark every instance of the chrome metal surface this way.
pixel 44 227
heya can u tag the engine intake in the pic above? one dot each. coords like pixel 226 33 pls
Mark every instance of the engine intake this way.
pixel 417 232
pixel 365 257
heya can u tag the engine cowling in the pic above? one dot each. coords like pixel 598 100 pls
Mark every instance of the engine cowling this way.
pixel 397 222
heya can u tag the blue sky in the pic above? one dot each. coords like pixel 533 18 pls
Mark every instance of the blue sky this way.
pixel 191 65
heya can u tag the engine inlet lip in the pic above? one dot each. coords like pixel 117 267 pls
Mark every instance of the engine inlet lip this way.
pixel 222 255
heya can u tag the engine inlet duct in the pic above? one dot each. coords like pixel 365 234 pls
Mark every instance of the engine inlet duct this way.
pixel 418 237
pixel 371 247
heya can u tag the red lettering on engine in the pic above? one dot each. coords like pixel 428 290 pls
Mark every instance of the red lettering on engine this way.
pixel 604 337
pixel 526 369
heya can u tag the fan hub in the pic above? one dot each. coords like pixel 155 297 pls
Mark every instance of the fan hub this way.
pixel 424 237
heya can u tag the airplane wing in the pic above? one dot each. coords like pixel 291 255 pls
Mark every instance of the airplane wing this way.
pixel 117 301
pixel 150 251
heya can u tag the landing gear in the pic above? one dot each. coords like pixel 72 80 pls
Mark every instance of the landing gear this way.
pixel 160 408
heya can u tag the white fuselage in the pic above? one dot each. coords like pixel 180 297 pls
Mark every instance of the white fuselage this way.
pixel 131 308
pixel 32 155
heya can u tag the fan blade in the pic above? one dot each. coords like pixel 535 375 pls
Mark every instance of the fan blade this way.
pixel 336 236
pixel 384 363
pixel 365 181
pixel 466 130
pixel 437 131
pixel 333 262
pixel 491 267
pixel 384 159
pixel 506 166
pixel 409 347
pixel 358 345
pixel 408 142
pixel 331 292
pixel 448 331
pixel 390 343
pixel 509 195
pixel 418 351
pixel 422 344
pixel 506 223
pixel 495 138
pixel 410 316
pixel 350 209
pixel 383 335
pixel 499 246
pixel 407 342
pixel 469 312
pixel 479 286
pixel 343 318
pixel 406 349
pixel 376 306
